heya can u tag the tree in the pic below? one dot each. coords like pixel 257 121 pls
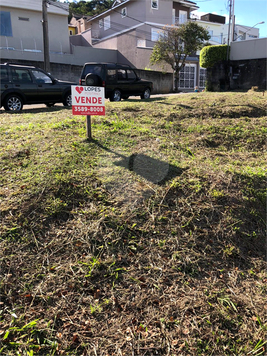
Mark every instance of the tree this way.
pixel 175 44
pixel 93 7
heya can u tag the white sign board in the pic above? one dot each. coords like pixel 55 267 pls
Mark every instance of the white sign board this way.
pixel 88 100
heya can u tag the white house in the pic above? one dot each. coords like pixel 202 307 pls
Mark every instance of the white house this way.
pixel 215 25
pixel 21 26
pixel 243 33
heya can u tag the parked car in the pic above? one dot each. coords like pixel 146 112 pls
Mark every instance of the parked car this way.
pixel 120 81
pixel 23 84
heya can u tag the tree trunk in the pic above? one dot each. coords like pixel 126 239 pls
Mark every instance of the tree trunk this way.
pixel 176 80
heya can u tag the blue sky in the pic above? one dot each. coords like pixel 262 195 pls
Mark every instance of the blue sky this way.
pixel 247 12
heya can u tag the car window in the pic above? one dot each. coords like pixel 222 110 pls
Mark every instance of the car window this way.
pixel 4 75
pixel 21 76
pixel 121 74
pixel 111 75
pixel 41 77
pixel 94 69
pixel 131 74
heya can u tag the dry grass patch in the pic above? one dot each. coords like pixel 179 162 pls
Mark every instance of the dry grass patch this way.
pixel 149 240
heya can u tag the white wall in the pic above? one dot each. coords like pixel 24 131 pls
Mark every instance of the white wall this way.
pixel 217 29
pixel 251 49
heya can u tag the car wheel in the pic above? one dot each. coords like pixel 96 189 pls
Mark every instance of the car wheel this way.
pixel 67 100
pixel 116 95
pixel 13 103
pixel 146 94
pixel 92 80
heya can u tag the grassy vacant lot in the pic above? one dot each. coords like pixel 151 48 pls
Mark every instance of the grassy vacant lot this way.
pixel 150 240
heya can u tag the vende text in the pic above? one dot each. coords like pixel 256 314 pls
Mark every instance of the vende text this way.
pixel 88 100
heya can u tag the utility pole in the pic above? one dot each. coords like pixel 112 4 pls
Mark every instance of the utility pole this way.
pixel 233 21
pixel 229 28
pixel 228 46
pixel 45 36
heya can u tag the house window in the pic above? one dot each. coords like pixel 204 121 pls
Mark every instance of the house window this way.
pixel 182 16
pixel 5 24
pixel 213 38
pixel 155 4
pixel 173 16
pixel 106 23
pixel 156 33
pixel 187 77
pixel 202 77
pixel 141 43
pixel 124 12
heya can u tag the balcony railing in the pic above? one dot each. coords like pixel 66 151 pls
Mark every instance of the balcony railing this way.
pixel 180 20
pixel 33 45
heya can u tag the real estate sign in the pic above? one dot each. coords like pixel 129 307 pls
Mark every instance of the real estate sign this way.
pixel 88 100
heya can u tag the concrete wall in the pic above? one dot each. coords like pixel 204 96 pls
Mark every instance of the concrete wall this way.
pixel 79 40
pixel 243 75
pixel 162 83
pixel 217 79
pixel 60 71
pixel 247 67
pixel 251 49
pixel 249 73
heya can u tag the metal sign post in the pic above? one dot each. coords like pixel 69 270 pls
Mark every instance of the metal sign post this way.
pixel 90 101
pixel 88 128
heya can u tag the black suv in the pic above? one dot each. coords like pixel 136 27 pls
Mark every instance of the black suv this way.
pixel 22 84
pixel 120 81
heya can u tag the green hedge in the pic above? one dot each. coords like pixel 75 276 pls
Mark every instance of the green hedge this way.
pixel 210 55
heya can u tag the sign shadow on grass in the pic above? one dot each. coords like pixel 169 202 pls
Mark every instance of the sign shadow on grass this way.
pixel 152 169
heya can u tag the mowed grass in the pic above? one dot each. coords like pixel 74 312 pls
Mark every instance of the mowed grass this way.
pixel 148 240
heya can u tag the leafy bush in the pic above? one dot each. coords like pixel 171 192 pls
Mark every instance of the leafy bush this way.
pixel 210 55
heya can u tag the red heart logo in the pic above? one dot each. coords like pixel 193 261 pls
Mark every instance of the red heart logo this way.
pixel 79 89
